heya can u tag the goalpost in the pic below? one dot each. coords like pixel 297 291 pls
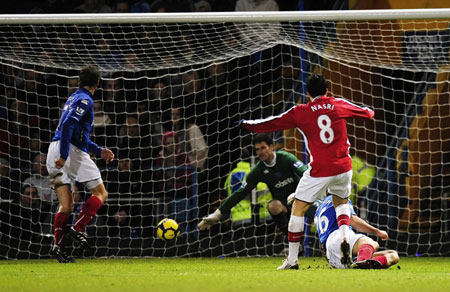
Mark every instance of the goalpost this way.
pixel 213 69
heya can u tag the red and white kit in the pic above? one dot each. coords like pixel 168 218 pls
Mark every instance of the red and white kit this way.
pixel 322 123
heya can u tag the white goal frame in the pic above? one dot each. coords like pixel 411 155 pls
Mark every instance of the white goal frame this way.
pixel 257 16
pixel 236 17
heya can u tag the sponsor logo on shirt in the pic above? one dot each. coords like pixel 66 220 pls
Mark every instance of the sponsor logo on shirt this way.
pixel 85 101
pixel 79 111
pixel 298 164
pixel 266 171
pixel 284 183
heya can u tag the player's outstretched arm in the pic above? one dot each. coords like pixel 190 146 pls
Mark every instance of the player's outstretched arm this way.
pixel 271 124
pixel 209 221
pixel 382 234
pixel 365 227
pixel 231 201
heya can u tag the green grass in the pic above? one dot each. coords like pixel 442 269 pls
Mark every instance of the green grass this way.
pixel 219 274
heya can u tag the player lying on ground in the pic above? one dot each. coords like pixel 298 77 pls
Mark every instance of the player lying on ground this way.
pixel 68 162
pixel 323 124
pixel 362 246
pixel 280 170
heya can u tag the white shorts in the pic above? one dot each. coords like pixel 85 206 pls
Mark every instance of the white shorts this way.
pixel 309 189
pixel 333 247
pixel 79 167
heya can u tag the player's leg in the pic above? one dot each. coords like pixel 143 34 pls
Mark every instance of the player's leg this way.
pixel 61 183
pixel 280 215
pixel 386 258
pixel 85 171
pixel 364 249
pixel 333 247
pixel 308 190
pixel 295 234
pixel 341 188
pixel 65 198
pixel 91 206
pixel 296 228
pixel 88 211
pixel 343 219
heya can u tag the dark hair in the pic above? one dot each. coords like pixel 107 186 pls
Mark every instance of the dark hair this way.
pixel 26 186
pixel 259 138
pixel 89 76
pixel 316 85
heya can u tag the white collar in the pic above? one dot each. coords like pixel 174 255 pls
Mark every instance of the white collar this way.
pixel 273 162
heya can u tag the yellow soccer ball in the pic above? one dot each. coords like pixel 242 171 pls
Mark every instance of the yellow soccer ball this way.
pixel 168 229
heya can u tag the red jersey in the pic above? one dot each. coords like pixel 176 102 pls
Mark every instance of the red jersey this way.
pixel 322 123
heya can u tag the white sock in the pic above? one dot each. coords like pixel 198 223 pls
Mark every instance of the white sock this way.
pixel 293 252
pixel 296 224
pixel 344 231
pixel 343 209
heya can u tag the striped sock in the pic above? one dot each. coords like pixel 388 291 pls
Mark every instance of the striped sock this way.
pixel 295 234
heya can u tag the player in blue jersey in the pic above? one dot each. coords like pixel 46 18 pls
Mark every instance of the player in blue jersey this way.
pixel 68 162
pixel 362 246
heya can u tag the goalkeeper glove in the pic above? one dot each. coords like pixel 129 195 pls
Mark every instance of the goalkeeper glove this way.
pixel 209 221
pixel 290 199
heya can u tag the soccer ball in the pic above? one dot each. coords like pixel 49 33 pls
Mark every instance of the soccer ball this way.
pixel 168 229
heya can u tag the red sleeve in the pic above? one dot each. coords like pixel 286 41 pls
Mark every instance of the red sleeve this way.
pixel 271 124
pixel 351 110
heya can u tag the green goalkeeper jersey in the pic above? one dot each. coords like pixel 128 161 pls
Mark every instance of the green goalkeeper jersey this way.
pixel 281 179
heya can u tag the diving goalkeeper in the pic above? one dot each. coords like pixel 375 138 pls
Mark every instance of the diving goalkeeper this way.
pixel 280 170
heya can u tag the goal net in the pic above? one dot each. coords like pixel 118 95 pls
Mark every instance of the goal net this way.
pixel 194 78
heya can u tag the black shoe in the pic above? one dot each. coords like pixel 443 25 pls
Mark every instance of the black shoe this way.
pixel 345 253
pixel 61 255
pixel 79 238
pixel 367 264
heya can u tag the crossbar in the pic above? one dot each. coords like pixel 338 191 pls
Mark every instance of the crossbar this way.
pixel 263 16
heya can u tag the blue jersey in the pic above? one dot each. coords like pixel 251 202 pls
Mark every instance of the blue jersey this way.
pixel 325 219
pixel 75 124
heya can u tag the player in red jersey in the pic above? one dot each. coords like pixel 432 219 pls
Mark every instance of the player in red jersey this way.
pixel 322 123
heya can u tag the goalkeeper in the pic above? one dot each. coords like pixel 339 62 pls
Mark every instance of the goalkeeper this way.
pixel 280 170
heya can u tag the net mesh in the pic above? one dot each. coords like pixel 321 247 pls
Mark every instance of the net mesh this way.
pixel 198 80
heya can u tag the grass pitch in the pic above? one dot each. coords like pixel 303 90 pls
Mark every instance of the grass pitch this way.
pixel 219 274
